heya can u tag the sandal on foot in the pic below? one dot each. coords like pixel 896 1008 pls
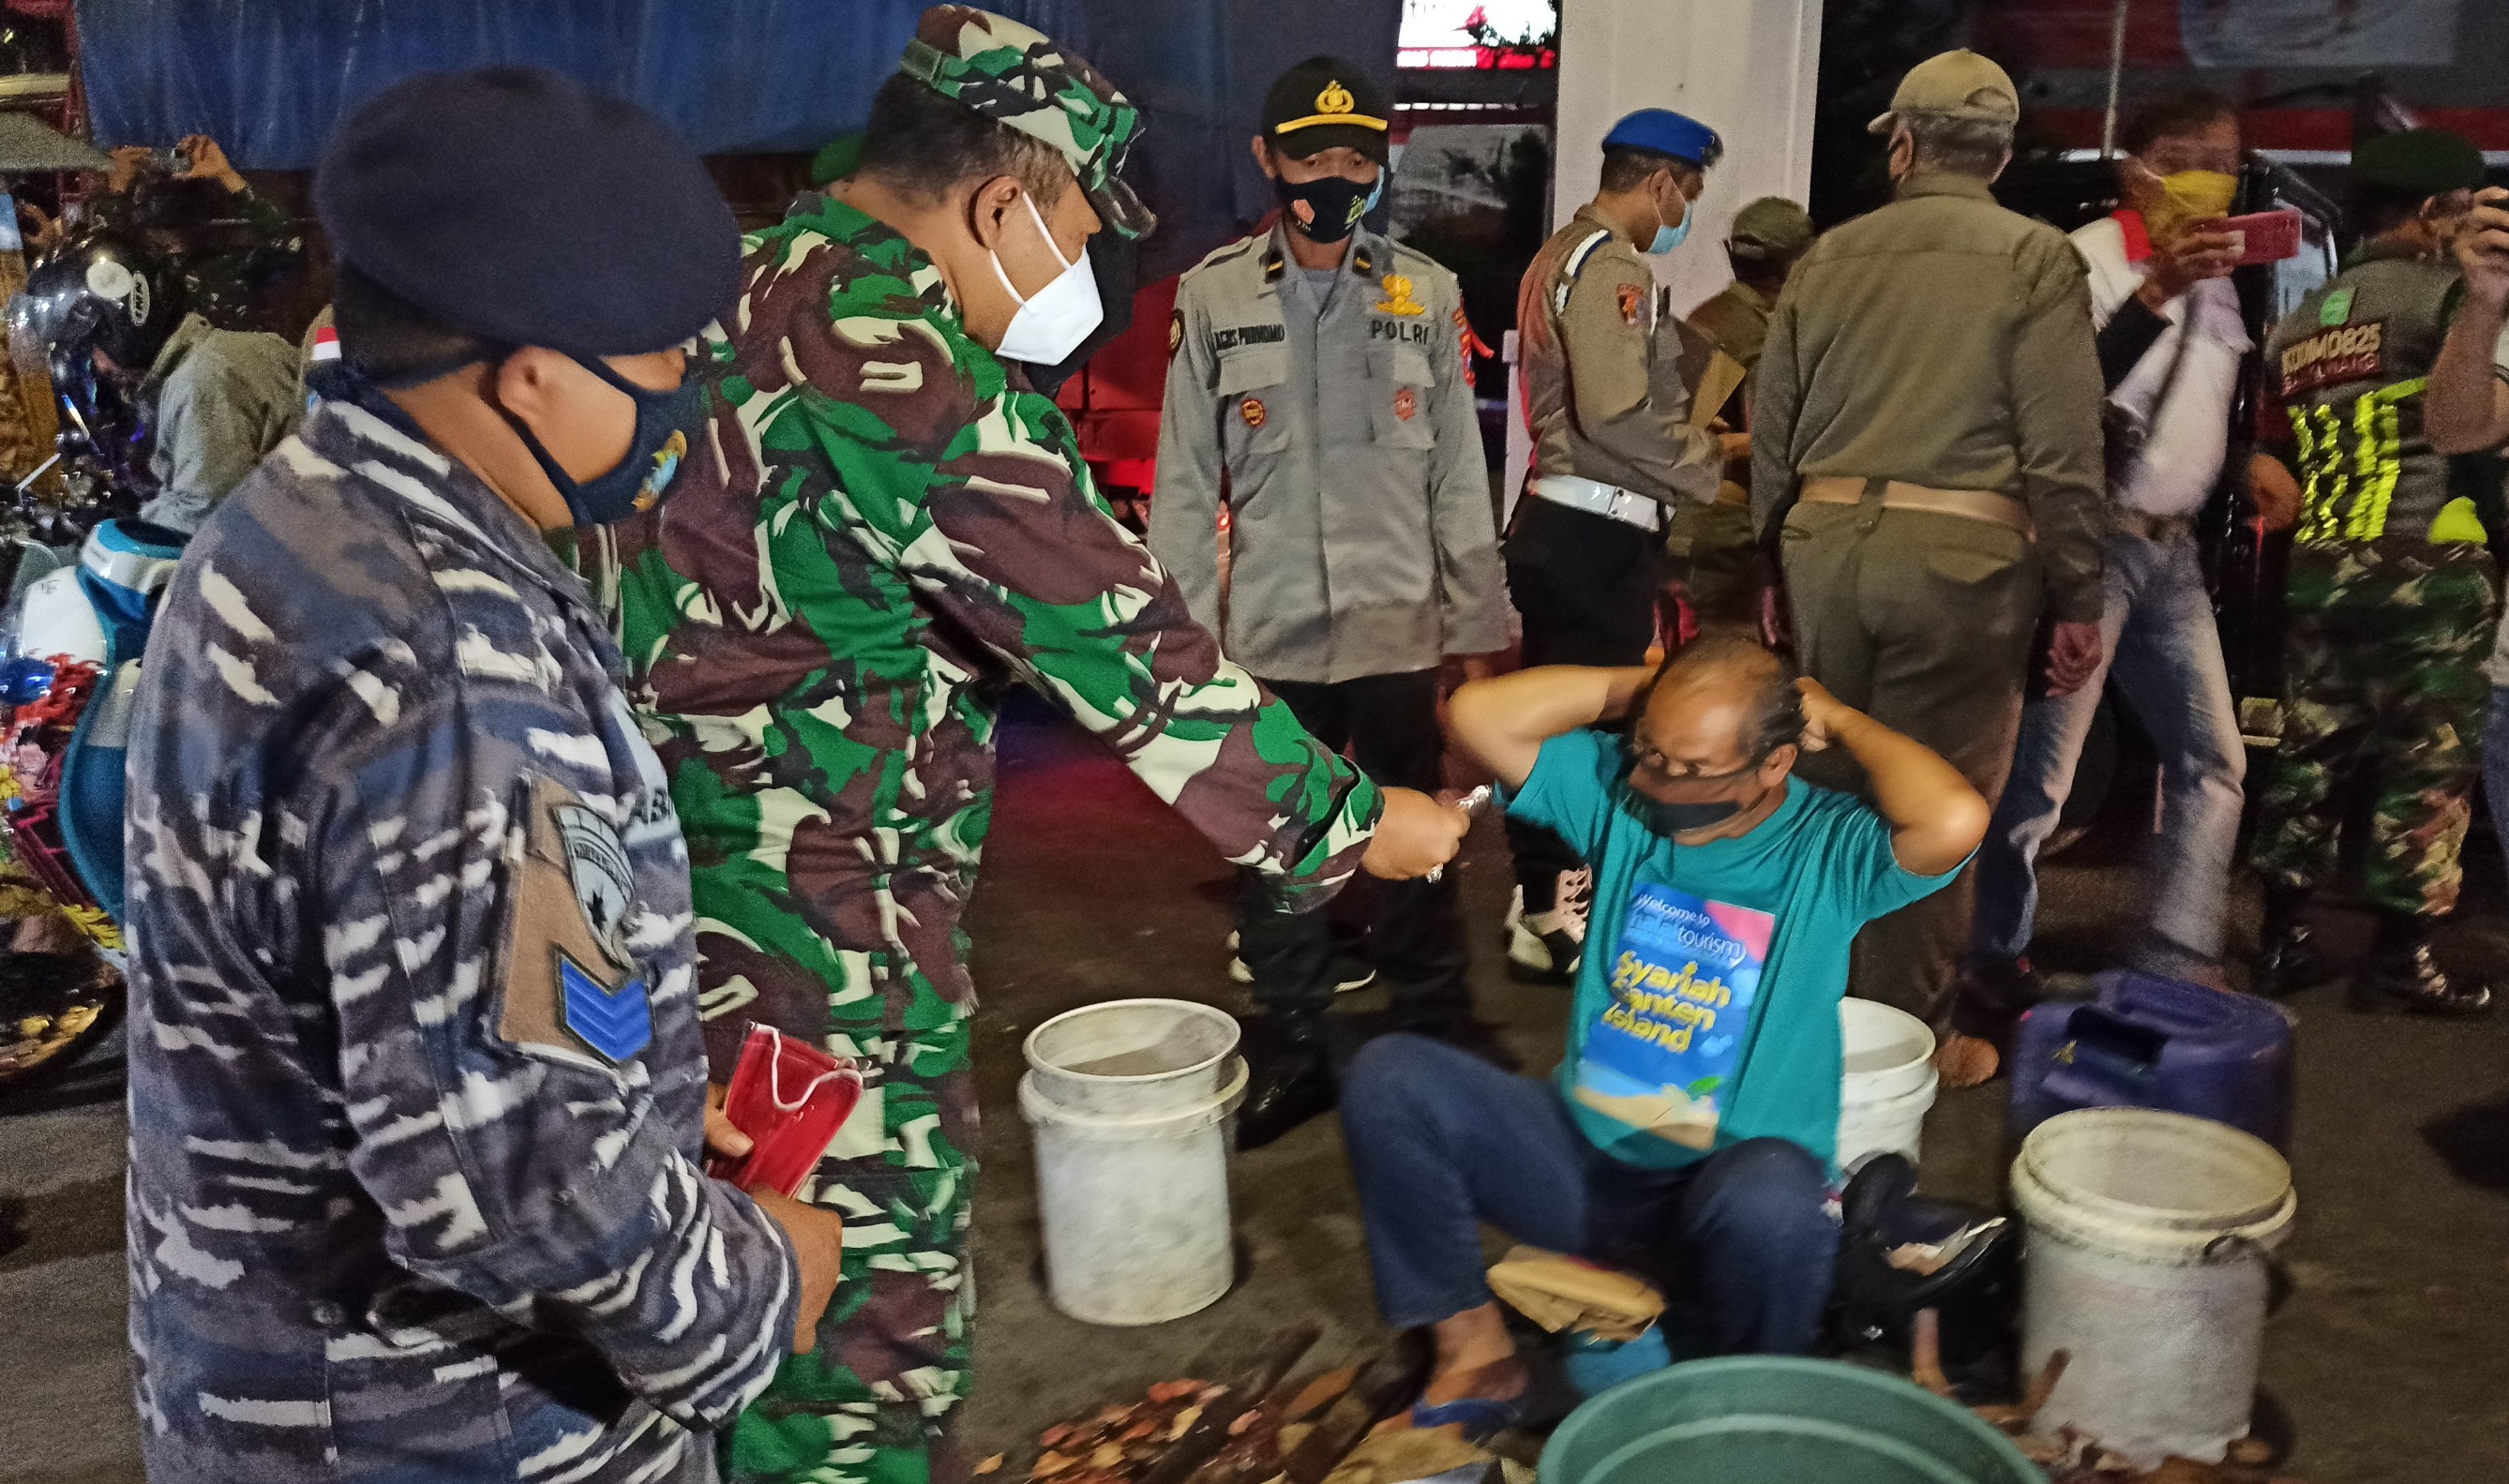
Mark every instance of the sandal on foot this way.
pixel 1482 1418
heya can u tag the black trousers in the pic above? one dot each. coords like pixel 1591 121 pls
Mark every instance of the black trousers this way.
pixel 1387 725
pixel 1586 586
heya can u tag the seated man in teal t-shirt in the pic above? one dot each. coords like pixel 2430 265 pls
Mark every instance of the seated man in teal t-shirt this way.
pixel 1695 1114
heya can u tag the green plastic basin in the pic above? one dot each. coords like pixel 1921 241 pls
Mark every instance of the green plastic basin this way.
pixel 1777 1420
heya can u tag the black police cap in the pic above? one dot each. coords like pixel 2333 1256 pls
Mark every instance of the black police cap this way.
pixel 1327 102
pixel 515 204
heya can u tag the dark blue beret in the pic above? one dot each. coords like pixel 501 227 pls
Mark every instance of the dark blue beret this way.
pixel 516 205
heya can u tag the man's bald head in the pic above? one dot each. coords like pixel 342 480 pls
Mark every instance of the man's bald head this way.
pixel 1720 671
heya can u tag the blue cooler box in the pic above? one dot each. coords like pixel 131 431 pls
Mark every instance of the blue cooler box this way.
pixel 2156 1043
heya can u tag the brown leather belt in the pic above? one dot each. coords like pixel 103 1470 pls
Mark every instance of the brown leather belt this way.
pixel 1969 504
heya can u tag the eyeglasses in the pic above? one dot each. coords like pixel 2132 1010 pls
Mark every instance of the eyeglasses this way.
pixel 1643 756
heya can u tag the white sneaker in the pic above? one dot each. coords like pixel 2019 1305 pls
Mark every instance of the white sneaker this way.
pixel 1547 947
pixel 1355 975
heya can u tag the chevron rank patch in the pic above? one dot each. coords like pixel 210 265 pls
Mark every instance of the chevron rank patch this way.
pixel 615 1021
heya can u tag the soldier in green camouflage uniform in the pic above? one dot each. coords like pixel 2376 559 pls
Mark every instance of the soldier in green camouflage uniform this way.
pixel 2391 593
pixel 880 529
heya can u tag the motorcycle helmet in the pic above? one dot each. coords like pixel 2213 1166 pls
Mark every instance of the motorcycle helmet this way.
pixel 1970 1275
pixel 100 292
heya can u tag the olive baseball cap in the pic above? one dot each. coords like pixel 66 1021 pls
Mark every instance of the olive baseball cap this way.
pixel 1016 74
pixel 1325 103
pixel 1772 227
pixel 1955 85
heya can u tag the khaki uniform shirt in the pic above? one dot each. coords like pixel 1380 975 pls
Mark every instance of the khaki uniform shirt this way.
pixel 1737 320
pixel 1361 541
pixel 1946 342
pixel 1601 406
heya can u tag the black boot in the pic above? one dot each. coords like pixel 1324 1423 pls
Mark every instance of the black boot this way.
pixel 2404 975
pixel 1294 1084
pixel 2287 960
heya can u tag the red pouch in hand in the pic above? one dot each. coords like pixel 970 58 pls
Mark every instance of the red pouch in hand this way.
pixel 790 1097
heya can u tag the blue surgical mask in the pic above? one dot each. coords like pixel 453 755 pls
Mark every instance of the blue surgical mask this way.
pixel 665 423
pixel 1667 239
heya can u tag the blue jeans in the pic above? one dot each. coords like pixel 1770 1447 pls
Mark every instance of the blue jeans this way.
pixel 2159 643
pixel 1441 1141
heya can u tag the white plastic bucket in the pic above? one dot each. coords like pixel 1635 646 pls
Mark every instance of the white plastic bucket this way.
pixel 1888 1082
pixel 2146 1259
pixel 1129 1104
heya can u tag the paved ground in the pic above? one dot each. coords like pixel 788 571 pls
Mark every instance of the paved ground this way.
pixel 2390 1356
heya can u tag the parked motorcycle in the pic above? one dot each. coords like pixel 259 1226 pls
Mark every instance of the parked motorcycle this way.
pixel 80 578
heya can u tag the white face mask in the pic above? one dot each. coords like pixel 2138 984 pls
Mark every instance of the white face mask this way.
pixel 1051 325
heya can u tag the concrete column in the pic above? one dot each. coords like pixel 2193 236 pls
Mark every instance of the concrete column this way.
pixel 1747 68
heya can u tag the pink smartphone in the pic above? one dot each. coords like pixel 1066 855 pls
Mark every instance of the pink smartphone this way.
pixel 2265 236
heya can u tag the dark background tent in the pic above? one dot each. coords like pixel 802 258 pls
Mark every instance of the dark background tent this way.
pixel 268 78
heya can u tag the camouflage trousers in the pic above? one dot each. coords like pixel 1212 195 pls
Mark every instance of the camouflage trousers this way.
pixel 2383 690
pixel 873 1403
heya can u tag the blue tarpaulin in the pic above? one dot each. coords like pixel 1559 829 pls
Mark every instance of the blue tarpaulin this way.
pixel 268 78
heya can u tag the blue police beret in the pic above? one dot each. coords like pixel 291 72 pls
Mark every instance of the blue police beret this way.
pixel 515 204
pixel 1667 133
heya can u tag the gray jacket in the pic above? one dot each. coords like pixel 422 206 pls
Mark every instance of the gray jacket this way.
pixel 1362 540
pixel 223 398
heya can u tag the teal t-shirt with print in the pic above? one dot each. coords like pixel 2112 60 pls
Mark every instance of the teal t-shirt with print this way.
pixel 1706 1003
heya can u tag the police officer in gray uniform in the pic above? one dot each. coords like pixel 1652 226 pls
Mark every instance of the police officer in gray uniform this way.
pixel 417 1083
pixel 1318 383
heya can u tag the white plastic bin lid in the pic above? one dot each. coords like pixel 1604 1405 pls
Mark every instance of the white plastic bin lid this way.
pixel 2151 1184
pixel 1887 1054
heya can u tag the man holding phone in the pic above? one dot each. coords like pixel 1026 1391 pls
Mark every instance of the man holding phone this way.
pixel 2171 343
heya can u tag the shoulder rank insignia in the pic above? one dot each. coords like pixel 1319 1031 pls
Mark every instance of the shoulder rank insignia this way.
pixel 1397 298
pixel 572 983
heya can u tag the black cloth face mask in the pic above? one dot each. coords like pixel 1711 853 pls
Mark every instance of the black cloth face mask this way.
pixel 1337 205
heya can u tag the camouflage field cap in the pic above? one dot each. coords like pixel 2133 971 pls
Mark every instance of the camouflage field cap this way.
pixel 1016 74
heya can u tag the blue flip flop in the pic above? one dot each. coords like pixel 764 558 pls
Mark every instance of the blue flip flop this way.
pixel 1482 1418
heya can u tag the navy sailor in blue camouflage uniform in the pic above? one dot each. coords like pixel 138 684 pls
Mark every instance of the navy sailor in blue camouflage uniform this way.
pixel 417 1087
